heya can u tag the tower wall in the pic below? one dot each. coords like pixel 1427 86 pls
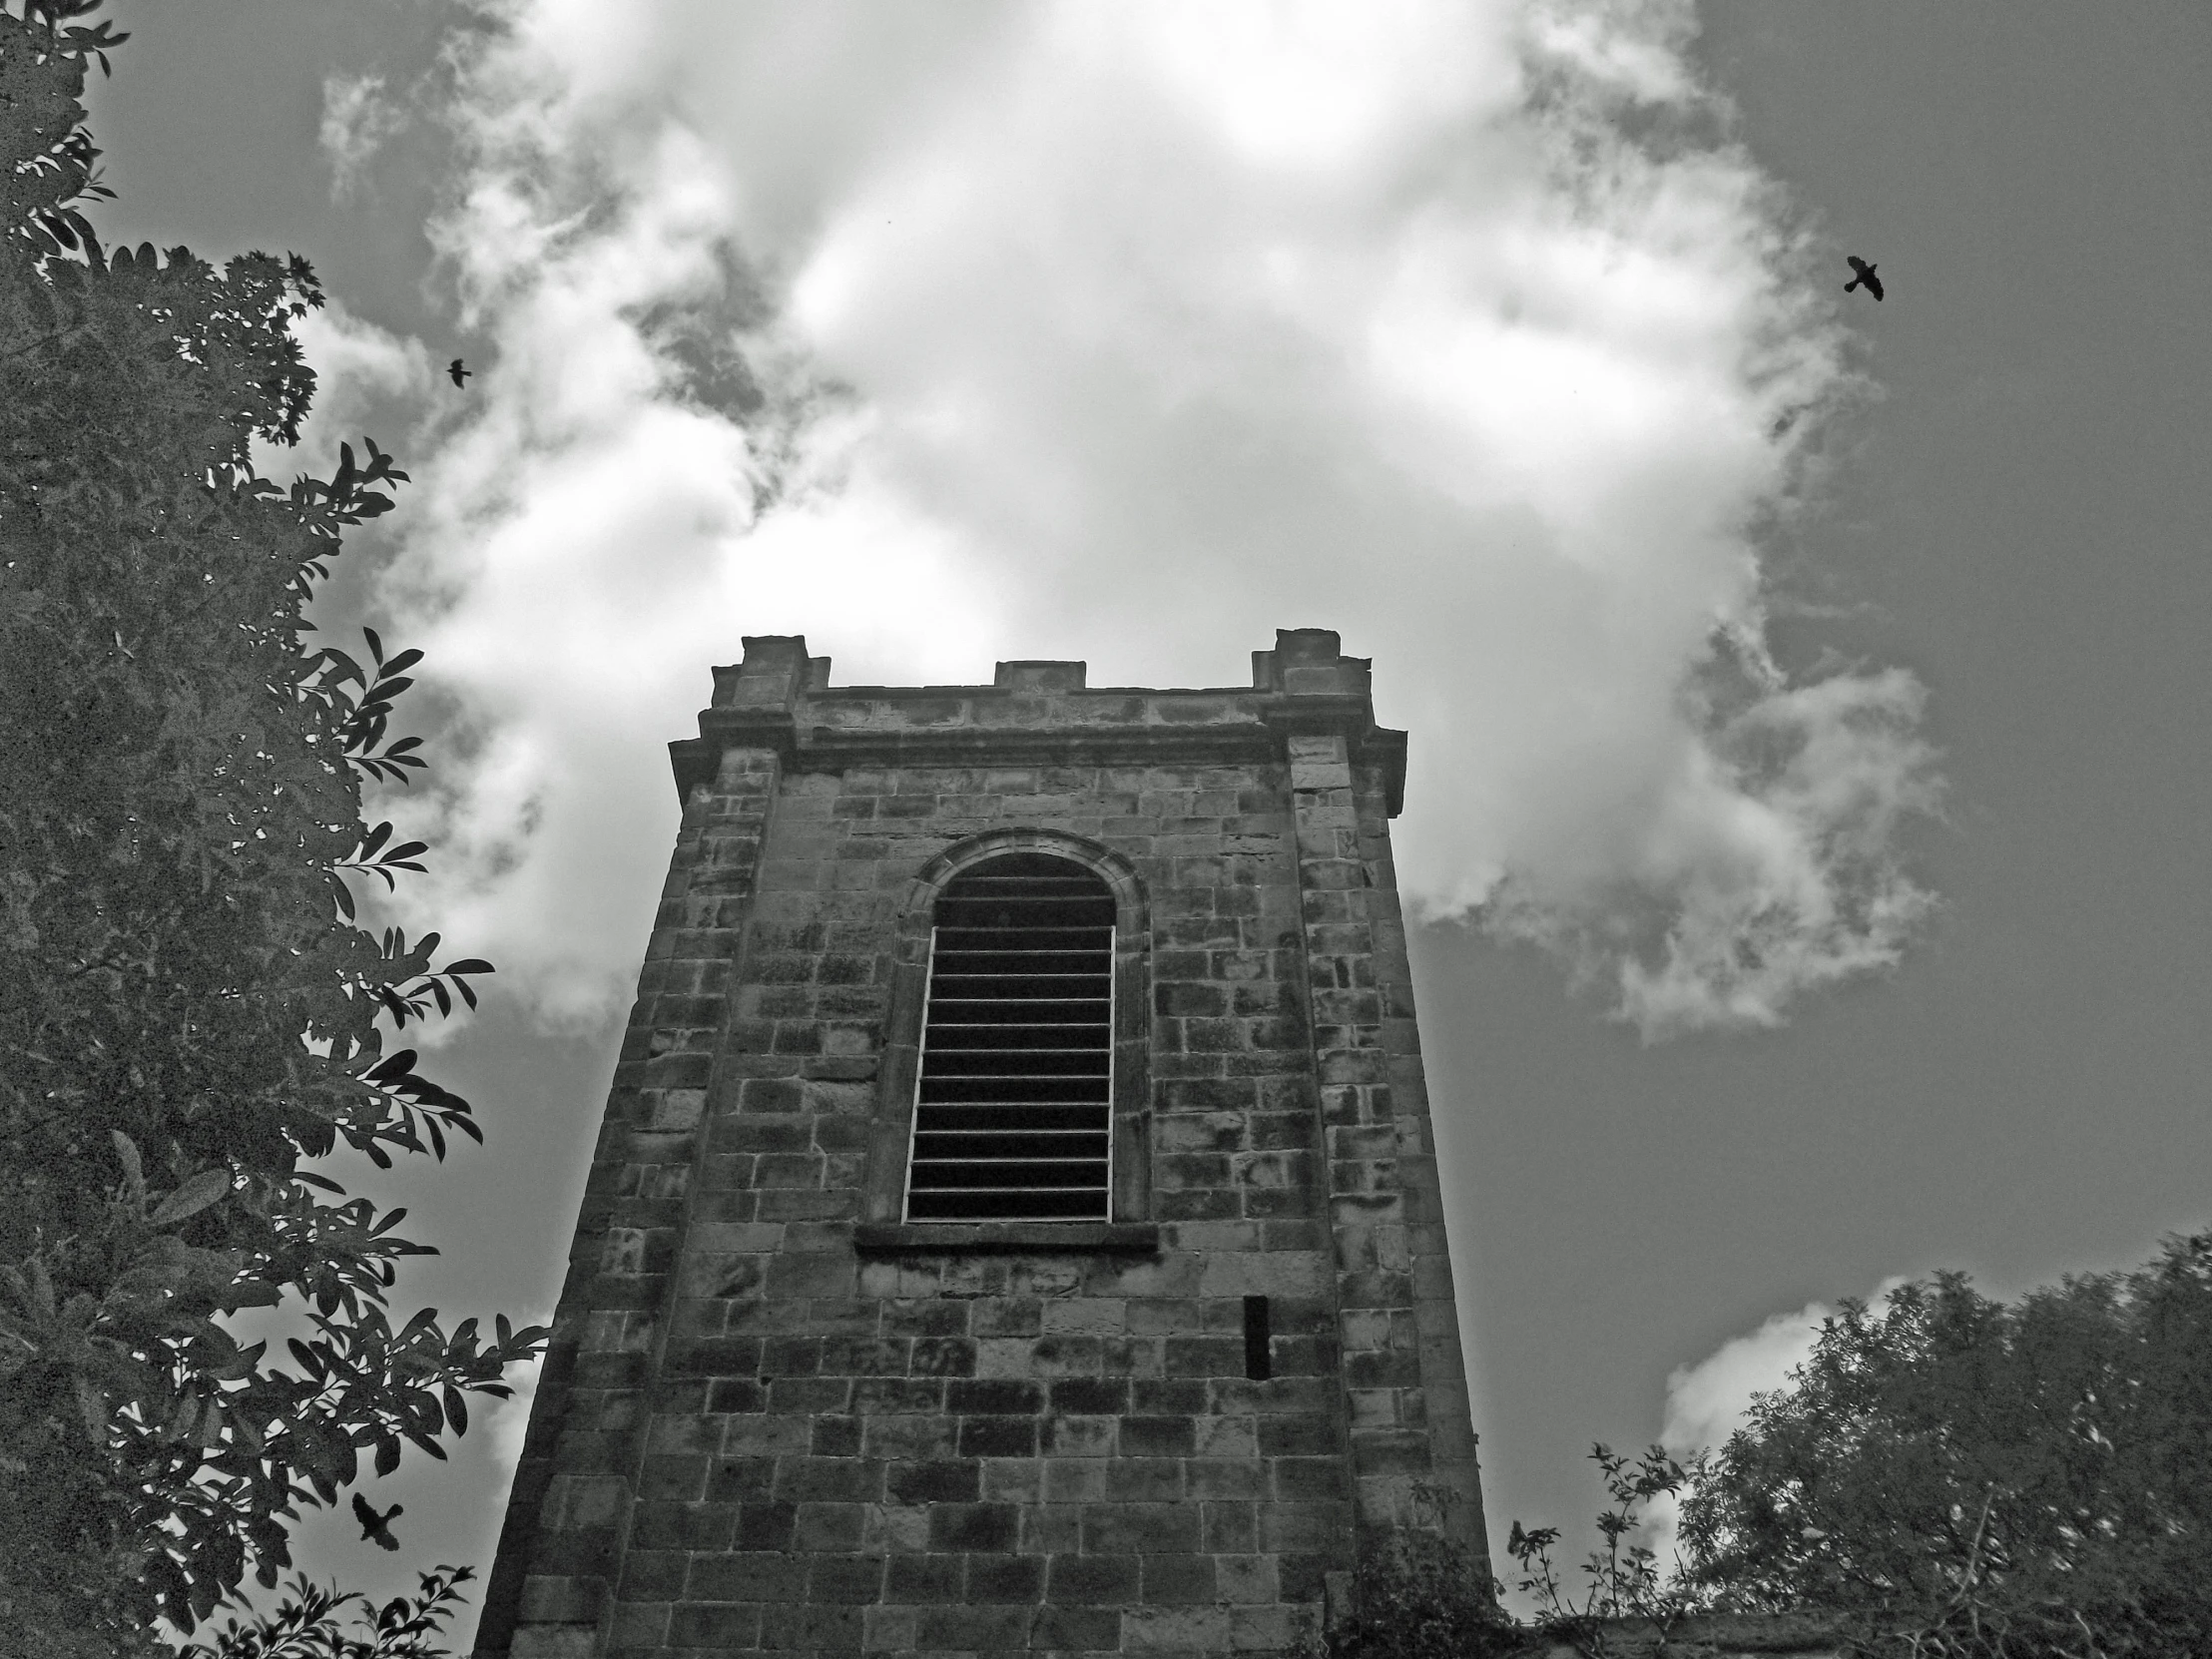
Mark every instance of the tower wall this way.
pixel 778 1418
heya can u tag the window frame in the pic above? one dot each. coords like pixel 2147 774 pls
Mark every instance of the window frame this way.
pixel 1130 1071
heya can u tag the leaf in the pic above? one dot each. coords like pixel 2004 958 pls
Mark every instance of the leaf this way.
pixel 456 1409
pixel 127 1151
pixel 184 1419
pixel 396 1066
pixel 203 1189
pixel 348 669
pixel 92 1410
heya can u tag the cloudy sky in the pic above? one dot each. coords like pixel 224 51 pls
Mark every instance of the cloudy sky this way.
pixel 1805 693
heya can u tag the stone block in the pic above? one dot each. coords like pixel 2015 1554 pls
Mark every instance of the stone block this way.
pixel 1005 1578
pixel 556 1641
pixel 1221 1477
pixel 908 1438
pixel 975 1526
pixel 845 1578
pixel 1092 1579
pixel 974 1629
pixel 1097 1395
pixel 1155 1437
pixel 1069 1630
pixel 1004 1395
pixel 1144 1481
pixel 940 1480
pixel 828 1527
pixel 1140 1528
pixel 1187 1629
pixel 998 1436
pixel 766 1525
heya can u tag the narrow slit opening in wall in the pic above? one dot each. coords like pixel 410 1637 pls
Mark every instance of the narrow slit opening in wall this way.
pixel 1259 1362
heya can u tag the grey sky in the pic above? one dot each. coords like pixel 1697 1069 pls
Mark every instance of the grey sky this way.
pixel 2020 519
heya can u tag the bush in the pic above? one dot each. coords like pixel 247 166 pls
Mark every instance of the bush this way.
pixel 1417 1596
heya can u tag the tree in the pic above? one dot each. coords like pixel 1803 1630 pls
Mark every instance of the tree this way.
pixel 307 1625
pixel 1989 1479
pixel 187 1009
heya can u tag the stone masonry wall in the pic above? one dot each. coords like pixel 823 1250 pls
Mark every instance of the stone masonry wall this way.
pixel 776 1420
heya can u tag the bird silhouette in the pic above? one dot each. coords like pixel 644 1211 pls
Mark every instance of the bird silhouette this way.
pixel 375 1528
pixel 459 373
pixel 1865 276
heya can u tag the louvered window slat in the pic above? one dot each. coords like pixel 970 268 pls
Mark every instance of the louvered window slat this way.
pixel 1014 1114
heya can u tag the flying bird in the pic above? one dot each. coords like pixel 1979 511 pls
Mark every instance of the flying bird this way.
pixel 459 373
pixel 375 1528
pixel 1865 276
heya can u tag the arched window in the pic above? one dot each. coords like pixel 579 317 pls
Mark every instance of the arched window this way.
pixel 1014 1104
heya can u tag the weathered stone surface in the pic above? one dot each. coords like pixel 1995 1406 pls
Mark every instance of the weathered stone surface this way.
pixel 779 1418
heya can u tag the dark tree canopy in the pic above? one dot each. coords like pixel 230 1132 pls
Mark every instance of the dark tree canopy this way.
pixel 2021 1480
pixel 187 1009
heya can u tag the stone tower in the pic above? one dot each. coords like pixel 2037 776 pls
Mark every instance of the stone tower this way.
pixel 1015 1224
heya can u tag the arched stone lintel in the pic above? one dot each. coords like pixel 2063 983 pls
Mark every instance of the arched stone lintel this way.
pixel 1132 1090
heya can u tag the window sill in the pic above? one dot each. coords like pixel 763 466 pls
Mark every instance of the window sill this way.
pixel 1035 1238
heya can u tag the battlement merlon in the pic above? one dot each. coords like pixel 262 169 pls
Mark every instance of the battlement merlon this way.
pixel 780 698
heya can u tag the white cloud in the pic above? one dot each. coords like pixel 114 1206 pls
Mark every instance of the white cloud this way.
pixel 1098 332
pixel 358 120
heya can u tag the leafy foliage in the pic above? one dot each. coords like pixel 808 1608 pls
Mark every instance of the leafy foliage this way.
pixel 1417 1596
pixel 187 1007
pixel 306 1624
pixel 1984 1479
pixel 1623 1583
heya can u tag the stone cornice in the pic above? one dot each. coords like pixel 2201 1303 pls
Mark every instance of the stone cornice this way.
pixel 987 726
